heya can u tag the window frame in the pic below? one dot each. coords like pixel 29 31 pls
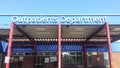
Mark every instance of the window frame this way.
pixel 106 54
pixel 75 55
pixel 91 59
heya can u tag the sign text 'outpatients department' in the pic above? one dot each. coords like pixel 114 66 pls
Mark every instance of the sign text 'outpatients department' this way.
pixel 56 19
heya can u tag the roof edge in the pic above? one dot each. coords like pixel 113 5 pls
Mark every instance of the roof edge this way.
pixel 60 14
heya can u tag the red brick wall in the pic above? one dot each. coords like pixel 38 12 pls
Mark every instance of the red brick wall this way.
pixel 28 61
pixel 116 59
pixel 95 63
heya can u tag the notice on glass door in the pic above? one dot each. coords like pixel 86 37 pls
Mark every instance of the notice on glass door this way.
pixel 46 60
pixel 6 59
pixel 53 59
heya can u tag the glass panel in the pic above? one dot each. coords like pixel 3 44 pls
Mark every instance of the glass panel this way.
pixel 79 53
pixel 40 53
pixel 89 55
pixel 47 53
pixel 72 59
pixel 66 59
pixel 79 60
pixel 89 60
pixel 72 53
pixel 53 53
pixel 106 58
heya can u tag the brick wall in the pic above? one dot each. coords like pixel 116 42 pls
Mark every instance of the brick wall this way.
pixel 28 61
pixel 116 59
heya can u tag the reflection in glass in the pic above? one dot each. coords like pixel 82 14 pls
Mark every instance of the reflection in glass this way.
pixel 73 58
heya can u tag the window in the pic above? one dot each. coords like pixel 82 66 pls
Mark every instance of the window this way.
pixel 106 58
pixel 72 53
pixel 40 53
pixel 79 60
pixel 47 53
pixel 89 57
pixel 66 59
pixel 79 53
pixel 73 58
pixel 53 53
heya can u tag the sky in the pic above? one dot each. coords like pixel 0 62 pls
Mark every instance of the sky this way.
pixel 59 7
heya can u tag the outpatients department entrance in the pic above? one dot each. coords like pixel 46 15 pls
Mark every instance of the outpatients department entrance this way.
pixel 72 41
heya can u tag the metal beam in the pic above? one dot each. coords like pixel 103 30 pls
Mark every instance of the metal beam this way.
pixel 114 36
pixel 95 33
pixel 109 44
pixel 1 38
pixel 59 45
pixel 5 35
pixel 23 33
pixel 115 39
pixel 34 55
pixel 9 45
pixel 85 56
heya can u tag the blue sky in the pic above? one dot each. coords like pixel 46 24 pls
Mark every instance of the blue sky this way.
pixel 59 7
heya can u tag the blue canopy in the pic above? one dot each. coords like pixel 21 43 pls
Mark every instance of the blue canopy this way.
pixel 53 47
pixel 96 48
pixel 3 46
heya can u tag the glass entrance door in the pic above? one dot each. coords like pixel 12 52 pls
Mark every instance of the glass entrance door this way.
pixel 50 62
pixel 0 60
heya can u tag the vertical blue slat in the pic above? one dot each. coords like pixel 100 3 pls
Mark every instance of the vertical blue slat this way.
pixel 4 46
